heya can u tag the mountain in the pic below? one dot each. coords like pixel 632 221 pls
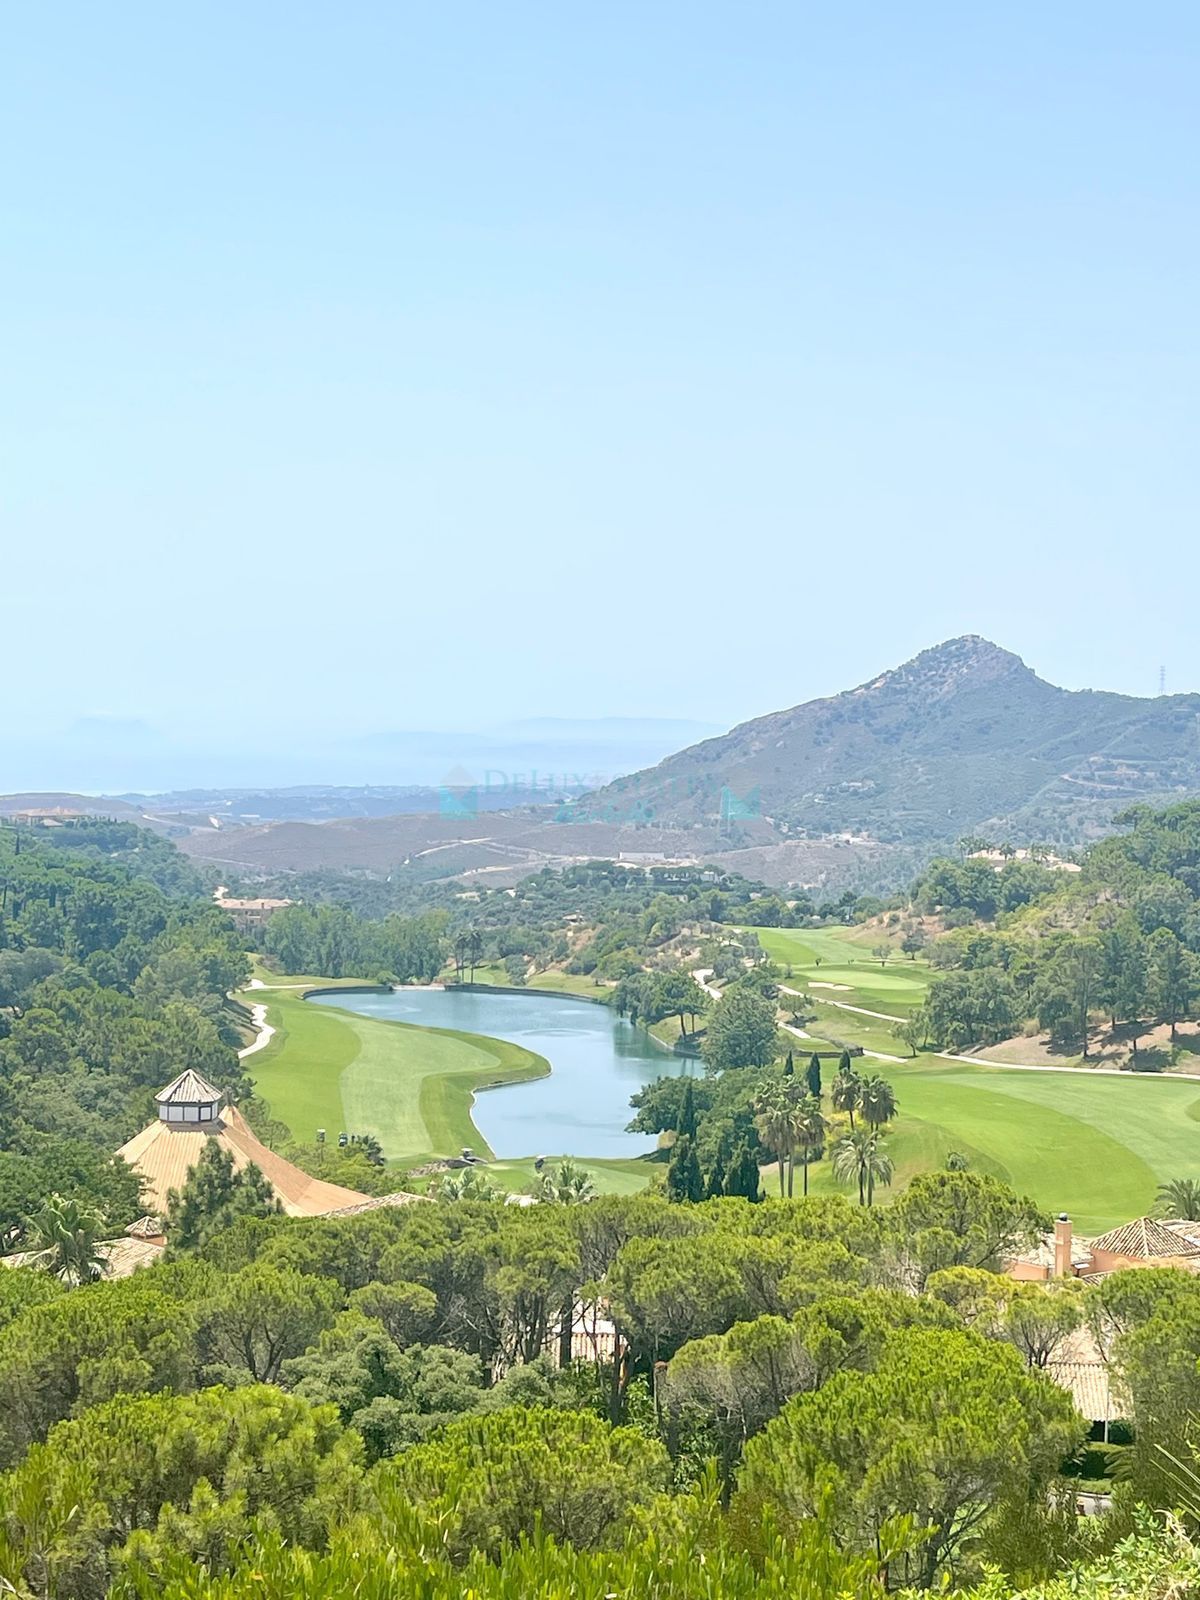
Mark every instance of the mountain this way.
pixel 963 738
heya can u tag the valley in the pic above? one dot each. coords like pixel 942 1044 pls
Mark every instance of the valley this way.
pixel 1097 1146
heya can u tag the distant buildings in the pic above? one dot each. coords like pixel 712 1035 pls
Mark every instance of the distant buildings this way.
pixel 52 817
pixel 249 916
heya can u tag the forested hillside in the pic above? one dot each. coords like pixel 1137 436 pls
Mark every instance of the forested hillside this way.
pixel 114 967
pixel 1101 959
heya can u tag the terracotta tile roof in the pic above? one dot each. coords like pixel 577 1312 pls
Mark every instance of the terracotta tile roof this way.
pixel 145 1228
pixel 189 1088
pixel 1145 1237
pixel 1042 1253
pixel 398 1197
pixel 121 1257
pixel 165 1152
pixel 1087 1382
pixel 1189 1232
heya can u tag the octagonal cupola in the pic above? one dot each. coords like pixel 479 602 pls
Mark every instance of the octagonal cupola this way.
pixel 189 1098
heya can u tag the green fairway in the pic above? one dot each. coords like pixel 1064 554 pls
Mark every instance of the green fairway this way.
pixel 830 965
pixel 409 1086
pixel 1096 1147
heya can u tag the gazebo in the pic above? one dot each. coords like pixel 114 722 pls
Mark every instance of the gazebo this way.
pixel 191 1111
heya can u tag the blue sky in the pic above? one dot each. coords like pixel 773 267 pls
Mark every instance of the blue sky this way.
pixel 388 367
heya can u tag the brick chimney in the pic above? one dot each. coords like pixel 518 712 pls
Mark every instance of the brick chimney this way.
pixel 1062 1246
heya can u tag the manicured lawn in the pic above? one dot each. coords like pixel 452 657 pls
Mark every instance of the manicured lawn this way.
pixel 849 1027
pixel 409 1086
pixel 282 980
pixel 559 982
pixel 827 956
pixel 1093 1145
pixel 1096 1147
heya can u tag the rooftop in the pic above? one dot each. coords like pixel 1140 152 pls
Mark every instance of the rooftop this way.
pixel 1145 1238
pixel 164 1153
pixel 188 1089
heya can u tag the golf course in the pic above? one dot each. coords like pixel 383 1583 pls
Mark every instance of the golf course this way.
pixel 1093 1144
pixel 412 1087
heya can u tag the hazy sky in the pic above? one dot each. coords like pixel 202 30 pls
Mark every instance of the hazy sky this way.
pixel 386 366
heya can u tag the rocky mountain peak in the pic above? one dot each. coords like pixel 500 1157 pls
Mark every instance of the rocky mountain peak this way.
pixel 958 663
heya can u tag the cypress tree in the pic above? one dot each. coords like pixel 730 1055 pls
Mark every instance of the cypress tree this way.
pixel 685 1181
pixel 687 1112
pixel 743 1174
pixel 814 1076
pixel 789 1066
pixel 714 1185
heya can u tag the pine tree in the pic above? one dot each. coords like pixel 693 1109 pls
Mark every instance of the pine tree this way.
pixel 685 1181
pixel 789 1066
pixel 814 1076
pixel 214 1196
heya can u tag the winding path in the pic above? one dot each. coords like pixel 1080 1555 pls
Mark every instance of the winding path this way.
pixel 264 1032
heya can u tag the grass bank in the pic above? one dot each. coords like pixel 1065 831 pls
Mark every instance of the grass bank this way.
pixel 1096 1146
pixel 410 1086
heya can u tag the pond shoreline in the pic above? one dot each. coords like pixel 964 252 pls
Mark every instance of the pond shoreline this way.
pixel 578 1104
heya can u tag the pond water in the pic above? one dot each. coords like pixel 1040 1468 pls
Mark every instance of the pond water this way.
pixel 598 1061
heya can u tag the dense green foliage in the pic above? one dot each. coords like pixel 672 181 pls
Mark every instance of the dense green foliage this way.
pixel 114 968
pixel 332 941
pixel 870 1390
pixel 814 1397
pixel 1119 940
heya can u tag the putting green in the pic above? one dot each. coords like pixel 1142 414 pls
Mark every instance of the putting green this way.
pixel 829 956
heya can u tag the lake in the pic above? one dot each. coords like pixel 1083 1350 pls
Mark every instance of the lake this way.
pixel 598 1061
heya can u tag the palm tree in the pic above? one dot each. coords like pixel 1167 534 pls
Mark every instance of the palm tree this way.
pixel 64 1237
pixel 811 1128
pixel 776 1123
pixel 860 1157
pixel 468 1183
pixel 1180 1198
pixel 845 1093
pixel 566 1185
pixel 878 1102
